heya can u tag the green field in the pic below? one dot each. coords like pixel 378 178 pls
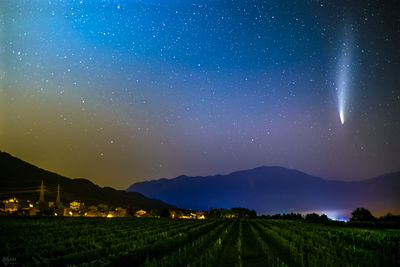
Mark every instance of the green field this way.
pixel 165 242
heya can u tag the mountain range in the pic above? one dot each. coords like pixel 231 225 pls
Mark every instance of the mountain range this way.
pixel 267 190
pixel 22 180
pixel 271 190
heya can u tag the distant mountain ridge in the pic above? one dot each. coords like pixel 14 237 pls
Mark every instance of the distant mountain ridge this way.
pixel 275 190
pixel 19 179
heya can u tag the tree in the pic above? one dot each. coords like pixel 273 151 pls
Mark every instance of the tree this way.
pixel 313 217
pixel 361 214
pixel 323 218
pixel 243 212
pixel 165 213
pixel 390 218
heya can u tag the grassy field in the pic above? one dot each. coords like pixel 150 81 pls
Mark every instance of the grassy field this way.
pixel 56 241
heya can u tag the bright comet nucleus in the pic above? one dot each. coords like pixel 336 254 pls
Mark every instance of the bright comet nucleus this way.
pixel 342 117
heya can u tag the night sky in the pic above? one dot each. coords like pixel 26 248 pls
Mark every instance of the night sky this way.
pixel 124 91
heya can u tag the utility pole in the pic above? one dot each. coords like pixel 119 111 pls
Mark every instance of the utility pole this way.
pixel 58 194
pixel 41 199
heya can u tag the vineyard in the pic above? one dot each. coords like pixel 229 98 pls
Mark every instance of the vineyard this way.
pixel 50 241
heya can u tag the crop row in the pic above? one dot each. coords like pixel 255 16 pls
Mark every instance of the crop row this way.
pixel 166 242
pixel 83 244
pixel 304 244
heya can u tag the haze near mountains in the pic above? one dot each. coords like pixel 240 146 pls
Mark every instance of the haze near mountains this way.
pixel 277 190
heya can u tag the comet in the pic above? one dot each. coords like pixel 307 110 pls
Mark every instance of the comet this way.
pixel 343 68
pixel 341 114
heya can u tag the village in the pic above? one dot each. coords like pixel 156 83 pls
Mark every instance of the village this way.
pixel 76 208
pixel 14 206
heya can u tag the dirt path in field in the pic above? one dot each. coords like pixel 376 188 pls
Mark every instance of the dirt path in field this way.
pixel 252 252
pixel 229 253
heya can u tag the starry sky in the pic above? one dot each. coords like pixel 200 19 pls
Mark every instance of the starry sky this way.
pixel 125 91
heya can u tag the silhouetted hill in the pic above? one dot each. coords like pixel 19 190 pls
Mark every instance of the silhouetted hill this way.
pixel 21 179
pixel 276 190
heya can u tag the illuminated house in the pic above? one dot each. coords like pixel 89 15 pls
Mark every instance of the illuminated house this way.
pixel 200 215
pixel 66 212
pixel 93 211
pixel 175 213
pixel 140 213
pixel 33 212
pixel 230 216
pixel 70 213
pixel 11 205
pixel 75 205
pixel 120 212
pixel 28 208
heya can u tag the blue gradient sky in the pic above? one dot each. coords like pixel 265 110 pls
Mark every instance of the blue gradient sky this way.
pixel 123 91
